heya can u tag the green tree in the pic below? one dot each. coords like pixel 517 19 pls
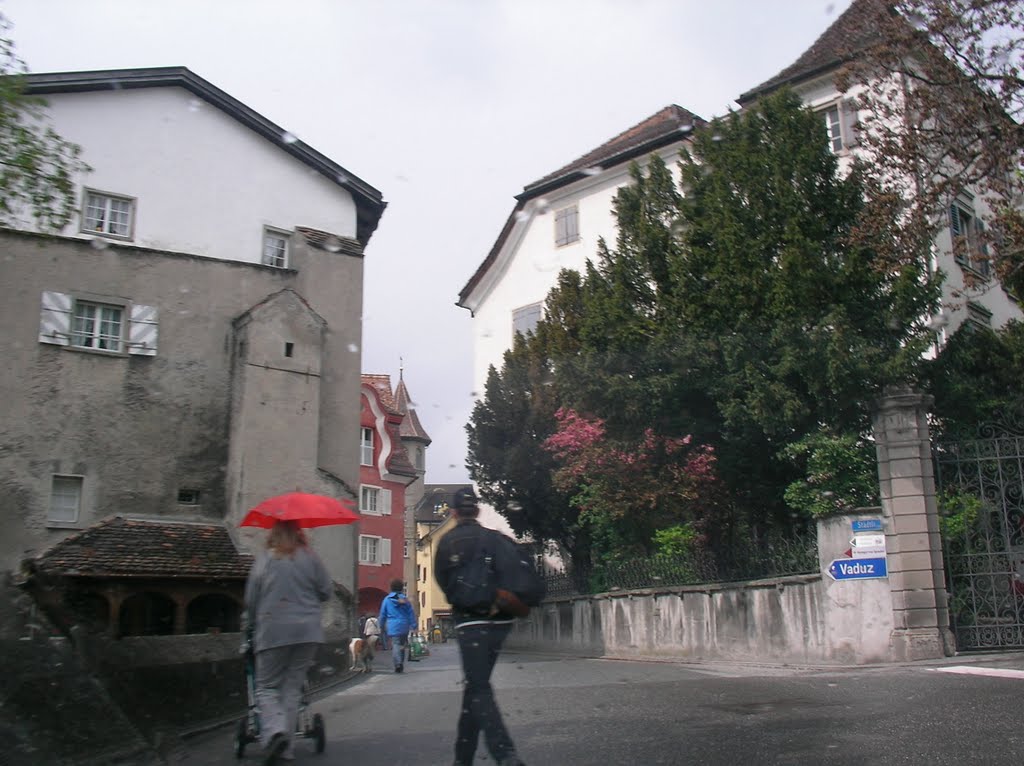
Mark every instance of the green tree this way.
pixel 37 166
pixel 505 456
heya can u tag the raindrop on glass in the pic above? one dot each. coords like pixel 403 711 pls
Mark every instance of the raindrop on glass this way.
pixel 918 21
pixel 184 289
pixel 830 9
pixel 594 171
pixel 288 138
pixel 353 347
pixel 716 137
pixel 541 206
pixel 194 104
pixel 474 394
pixel 99 244
pixel 522 215
pixel 686 129
pixel 332 244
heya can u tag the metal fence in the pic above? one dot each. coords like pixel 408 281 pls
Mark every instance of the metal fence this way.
pixel 774 557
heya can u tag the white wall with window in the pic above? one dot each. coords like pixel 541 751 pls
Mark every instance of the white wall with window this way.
pixel 531 258
pixel 107 214
pixel 250 182
pixel 567 226
pixel 374 550
pixel 275 247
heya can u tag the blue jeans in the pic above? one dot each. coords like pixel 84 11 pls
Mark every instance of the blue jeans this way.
pixel 398 644
pixel 479 646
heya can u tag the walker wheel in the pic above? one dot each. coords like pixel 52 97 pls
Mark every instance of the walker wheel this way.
pixel 319 734
pixel 241 738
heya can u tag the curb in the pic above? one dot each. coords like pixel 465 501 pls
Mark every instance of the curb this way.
pixel 213 724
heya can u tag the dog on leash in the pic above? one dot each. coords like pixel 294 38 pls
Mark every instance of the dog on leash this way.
pixel 361 652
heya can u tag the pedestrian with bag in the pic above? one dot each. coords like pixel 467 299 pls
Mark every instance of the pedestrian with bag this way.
pixel 396 619
pixel 489 583
pixel 371 633
pixel 283 596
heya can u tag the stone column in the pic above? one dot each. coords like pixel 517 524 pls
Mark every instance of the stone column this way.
pixel 914 546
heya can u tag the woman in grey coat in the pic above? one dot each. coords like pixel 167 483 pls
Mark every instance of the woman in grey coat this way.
pixel 283 598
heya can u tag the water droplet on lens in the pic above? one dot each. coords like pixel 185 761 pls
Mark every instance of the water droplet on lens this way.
pixel 288 138
pixel 594 171
pixel 99 244
pixel 541 205
pixel 332 244
pixel 184 289
pixel 522 215
pixel 686 129
pixel 194 105
pixel 353 347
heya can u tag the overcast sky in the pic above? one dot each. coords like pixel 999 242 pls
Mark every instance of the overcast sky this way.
pixel 448 107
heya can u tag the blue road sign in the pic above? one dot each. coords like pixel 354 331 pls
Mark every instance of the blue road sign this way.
pixel 857 569
pixel 867 525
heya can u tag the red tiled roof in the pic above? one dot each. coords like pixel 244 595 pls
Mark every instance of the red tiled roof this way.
pixel 853 31
pixel 120 547
pixel 382 385
pixel 673 123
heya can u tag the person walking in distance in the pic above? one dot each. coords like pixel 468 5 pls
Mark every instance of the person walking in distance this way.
pixel 283 596
pixel 371 633
pixel 480 632
pixel 396 619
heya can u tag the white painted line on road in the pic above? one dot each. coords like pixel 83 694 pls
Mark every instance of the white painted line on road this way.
pixel 973 671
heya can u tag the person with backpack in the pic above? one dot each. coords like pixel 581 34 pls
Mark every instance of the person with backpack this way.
pixel 396 619
pixel 489 583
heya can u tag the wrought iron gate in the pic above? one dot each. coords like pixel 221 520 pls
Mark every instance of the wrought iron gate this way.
pixel 981 496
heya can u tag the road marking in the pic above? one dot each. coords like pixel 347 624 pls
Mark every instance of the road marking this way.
pixel 974 671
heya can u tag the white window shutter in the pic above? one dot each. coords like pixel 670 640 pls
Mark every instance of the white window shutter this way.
pixel 142 333
pixel 385 551
pixel 850 123
pixel 55 318
pixel 385 501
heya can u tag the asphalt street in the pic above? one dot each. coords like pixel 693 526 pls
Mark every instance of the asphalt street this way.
pixel 964 710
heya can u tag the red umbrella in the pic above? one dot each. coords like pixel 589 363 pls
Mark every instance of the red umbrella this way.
pixel 307 509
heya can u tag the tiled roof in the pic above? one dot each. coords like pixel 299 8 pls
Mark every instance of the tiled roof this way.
pixel 853 31
pixel 665 127
pixel 324 240
pixel 671 124
pixel 433 496
pixel 120 547
pixel 411 427
pixel 382 385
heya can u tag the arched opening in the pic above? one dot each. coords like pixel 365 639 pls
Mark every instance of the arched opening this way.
pixel 370 600
pixel 90 610
pixel 147 614
pixel 213 613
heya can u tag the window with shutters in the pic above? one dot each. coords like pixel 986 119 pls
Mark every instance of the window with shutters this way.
pixel 525 319
pixel 374 501
pixel 109 215
pixel 95 323
pixel 374 550
pixel 65 500
pixel 366 446
pixel 968 236
pixel 567 226
pixel 840 125
pixel 275 248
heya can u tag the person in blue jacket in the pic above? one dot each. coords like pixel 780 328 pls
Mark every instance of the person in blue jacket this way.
pixel 396 619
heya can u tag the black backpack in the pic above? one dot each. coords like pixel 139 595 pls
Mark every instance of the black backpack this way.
pixel 516 573
pixel 474 587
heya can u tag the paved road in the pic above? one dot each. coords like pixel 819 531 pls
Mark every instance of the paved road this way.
pixel 579 712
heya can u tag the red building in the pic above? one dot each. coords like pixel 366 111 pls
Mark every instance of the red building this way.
pixel 385 472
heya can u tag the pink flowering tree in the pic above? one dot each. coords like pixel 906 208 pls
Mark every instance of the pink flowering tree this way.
pixel 627 492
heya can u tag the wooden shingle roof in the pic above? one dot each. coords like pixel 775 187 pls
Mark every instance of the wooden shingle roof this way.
pixel 122 547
